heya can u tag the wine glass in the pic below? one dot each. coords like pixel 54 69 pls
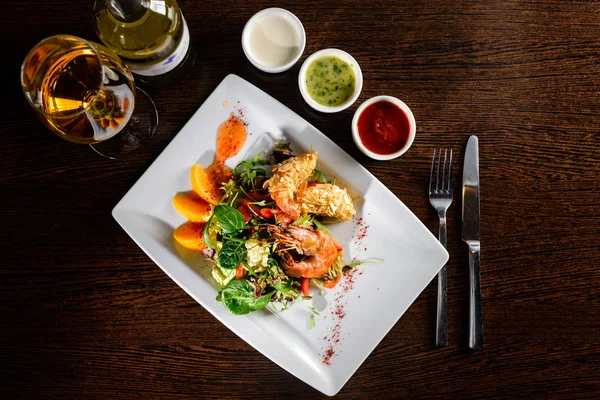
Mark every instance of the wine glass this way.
pixel 85 94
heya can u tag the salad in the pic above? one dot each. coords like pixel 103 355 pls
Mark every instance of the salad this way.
pixel 266 234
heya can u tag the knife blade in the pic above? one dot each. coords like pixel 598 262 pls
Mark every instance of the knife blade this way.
pixel 470 234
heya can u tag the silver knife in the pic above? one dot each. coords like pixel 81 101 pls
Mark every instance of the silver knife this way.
pixel 470 234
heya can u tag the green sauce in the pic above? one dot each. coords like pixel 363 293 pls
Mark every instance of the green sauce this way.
pixel 330 81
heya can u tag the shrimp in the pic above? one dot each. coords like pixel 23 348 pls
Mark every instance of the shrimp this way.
pixel 295 196
pixel 316 250
pixel 303 241
pixel 287 179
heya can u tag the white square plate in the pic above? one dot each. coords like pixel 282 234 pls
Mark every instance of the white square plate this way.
pixel 381 293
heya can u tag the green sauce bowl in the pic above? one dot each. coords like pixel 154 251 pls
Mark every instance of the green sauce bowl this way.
pixel 325 79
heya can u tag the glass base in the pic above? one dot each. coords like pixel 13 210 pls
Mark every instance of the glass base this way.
pixel 142 127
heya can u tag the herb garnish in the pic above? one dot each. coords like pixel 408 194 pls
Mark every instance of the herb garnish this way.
pixel 238 297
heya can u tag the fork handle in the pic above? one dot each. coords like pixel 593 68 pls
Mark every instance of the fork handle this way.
pixel 441 332
pixel 475 318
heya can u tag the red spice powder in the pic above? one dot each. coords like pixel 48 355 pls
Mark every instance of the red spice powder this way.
pixel 360 231
pixel 338 312
pixel 239 112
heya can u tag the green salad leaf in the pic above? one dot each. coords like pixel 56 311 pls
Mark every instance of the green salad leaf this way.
pixel 232 253
pixel 284 286
pixel 232 192
pixel 304 221
pixel 320 226
pixel 222 275
pixel 318 176
pixel 246 172
pixel 357 263
pixel 231 220
pixel 206 233
pixel 281 152
pixel 238 297
pixel 261 302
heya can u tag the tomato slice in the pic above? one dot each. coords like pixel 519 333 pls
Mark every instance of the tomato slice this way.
pixel 268 212
pixel 245 213
pixel 254 209
pixel 256 196
pixel 245 208
pixel 305 286
pixel 240 272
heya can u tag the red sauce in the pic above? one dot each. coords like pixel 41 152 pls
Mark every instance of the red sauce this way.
pixel 230 138
pixel 383 127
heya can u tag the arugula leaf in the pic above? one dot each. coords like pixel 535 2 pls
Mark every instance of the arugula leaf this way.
pixel 273 264
pixel 326 220
pixel 281 152
pixel 285 305
pixel 238 297
pixel 230 219
pixel 304 221
pixel 356 263
pixel 232 254
pixel 258 160
pixel 246 172
pixel 318 176
pixel 251 269
pixel 206 233
pixel 283 146
pixel 232 192
pixel 284 286
pixel 312 309
pixel 320 226
pixel 306 297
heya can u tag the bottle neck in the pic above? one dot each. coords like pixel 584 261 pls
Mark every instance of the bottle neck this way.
pixel 127 10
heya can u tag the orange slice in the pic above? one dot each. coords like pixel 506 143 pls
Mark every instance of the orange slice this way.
pixel 189 235
pixel 206 182
pixel 192 206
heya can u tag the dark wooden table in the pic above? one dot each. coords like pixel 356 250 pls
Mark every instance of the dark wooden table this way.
pixel 86 314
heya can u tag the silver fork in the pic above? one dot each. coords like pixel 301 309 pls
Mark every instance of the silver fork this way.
pixel 440 197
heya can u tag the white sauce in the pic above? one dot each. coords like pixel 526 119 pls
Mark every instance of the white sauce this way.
pixel 274 40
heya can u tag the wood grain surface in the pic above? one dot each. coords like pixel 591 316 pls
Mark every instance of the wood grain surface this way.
pixel 86 314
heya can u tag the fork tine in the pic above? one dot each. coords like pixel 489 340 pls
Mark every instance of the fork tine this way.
pixel 444 169
pixel 437 176
pixel 450 174
pixel 431 173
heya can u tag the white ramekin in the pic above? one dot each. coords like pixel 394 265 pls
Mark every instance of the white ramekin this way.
pixel 411 134
pixel 246 38
pixel 345 57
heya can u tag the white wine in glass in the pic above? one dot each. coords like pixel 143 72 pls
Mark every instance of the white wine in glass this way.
pixel 85 94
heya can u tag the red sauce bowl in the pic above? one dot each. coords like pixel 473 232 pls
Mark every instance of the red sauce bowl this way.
pixel 383 127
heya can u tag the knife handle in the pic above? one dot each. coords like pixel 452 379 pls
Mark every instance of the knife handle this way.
pixel 475 318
